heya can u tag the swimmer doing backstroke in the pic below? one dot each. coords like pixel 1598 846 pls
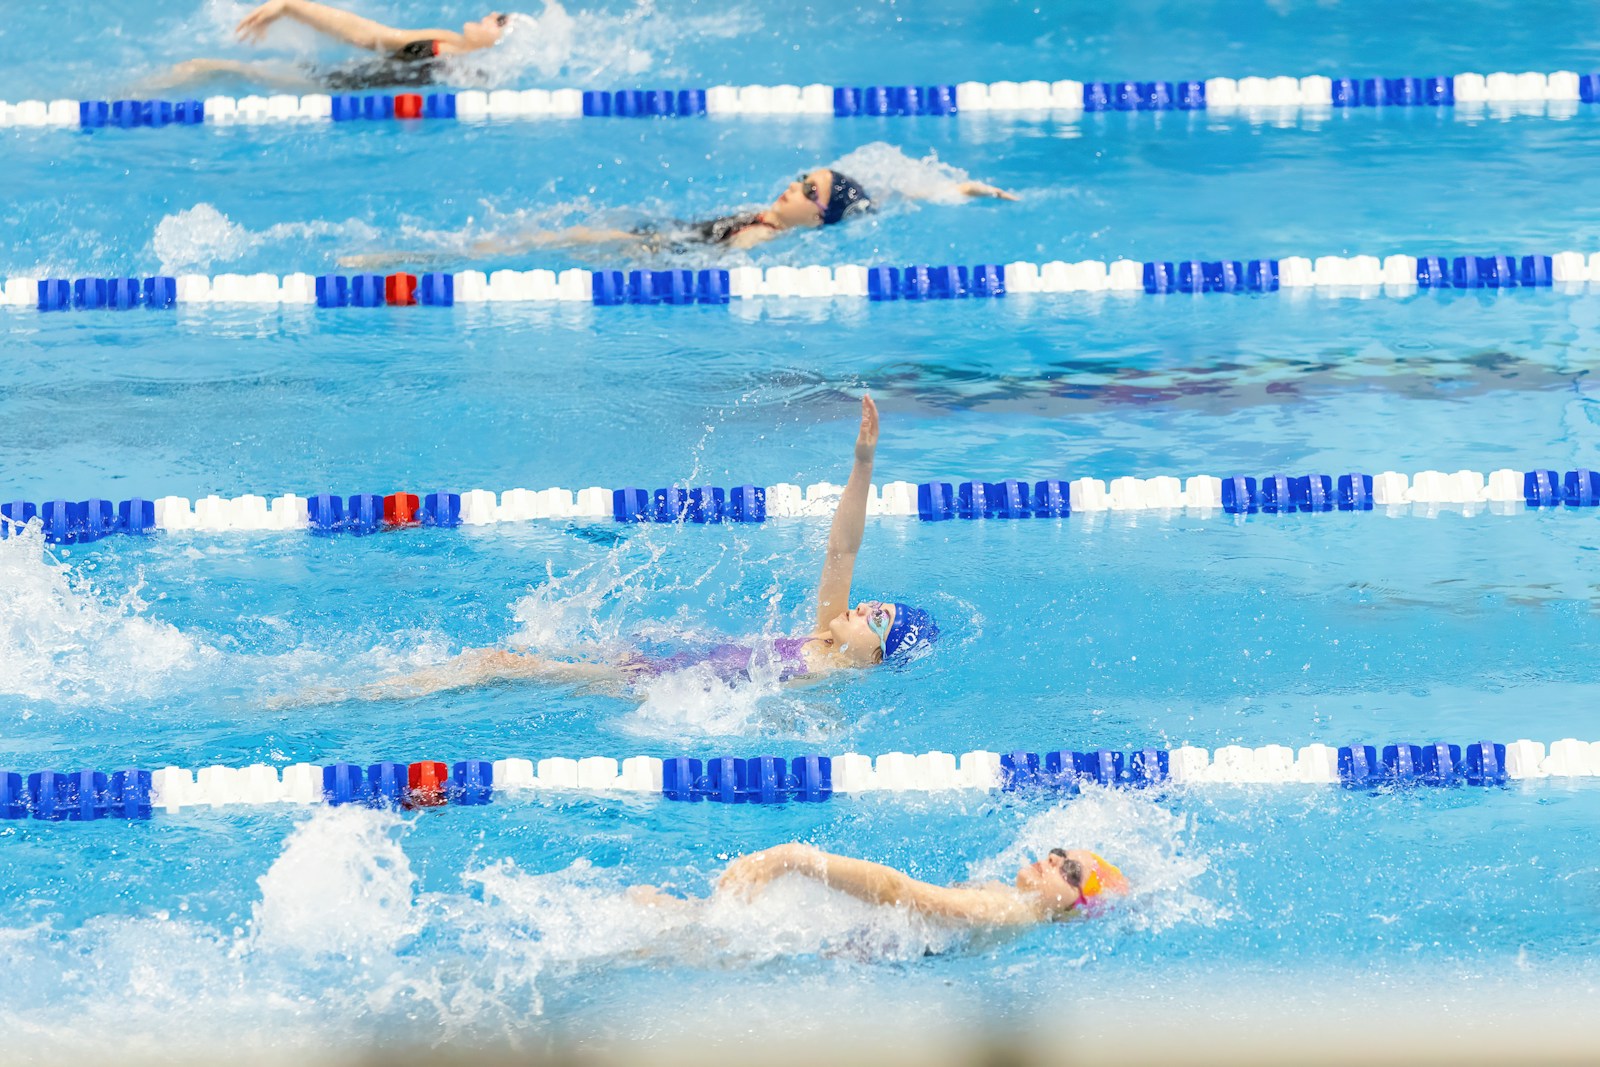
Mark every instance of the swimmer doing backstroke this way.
pixel 1067 882
pixel 841 637
pixel 407 58
pixel 819 197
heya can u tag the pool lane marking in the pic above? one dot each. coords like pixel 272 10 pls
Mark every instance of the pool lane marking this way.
pixel 1559 92
pixel 1428 493
pixel 1396 275
pixel 88 795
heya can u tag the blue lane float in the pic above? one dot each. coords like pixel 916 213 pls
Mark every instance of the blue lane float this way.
pixel 757 780
pixel 698 504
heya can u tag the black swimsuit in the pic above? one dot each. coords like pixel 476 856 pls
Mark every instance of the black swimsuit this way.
pixel 415 65
pixel 680 235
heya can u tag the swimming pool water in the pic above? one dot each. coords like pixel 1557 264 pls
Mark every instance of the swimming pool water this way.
pixel 290 931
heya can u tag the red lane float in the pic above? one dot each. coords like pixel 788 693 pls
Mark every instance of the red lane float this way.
pixel 427 783
pixel 400 509
pixel 400 289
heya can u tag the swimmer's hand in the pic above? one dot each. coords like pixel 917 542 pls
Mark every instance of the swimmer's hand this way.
pixel 867 436
pixel 984 189
pixel 255 25
pixel 748 875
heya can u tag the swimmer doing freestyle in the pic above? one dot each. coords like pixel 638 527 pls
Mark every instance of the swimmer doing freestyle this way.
pixel 408 58
pixel 842 637
pixel 821 197
pixel 1065 883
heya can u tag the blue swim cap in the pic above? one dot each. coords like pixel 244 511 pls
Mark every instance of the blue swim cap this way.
pixel 912 634
pixel 846 197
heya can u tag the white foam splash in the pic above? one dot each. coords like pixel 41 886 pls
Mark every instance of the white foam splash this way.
pixel 590 47
pixel 201 237
pixel 1152 845
pixel 884 171
pixel 341 886
pixel 65 640
pixel 583 915
pixel 344 948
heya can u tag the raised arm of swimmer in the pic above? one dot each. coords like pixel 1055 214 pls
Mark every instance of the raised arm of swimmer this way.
pixel 345 26
pixel 841 637
pixel 849 523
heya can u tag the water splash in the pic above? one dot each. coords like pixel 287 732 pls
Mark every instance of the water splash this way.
pixel 592 47
pixel 1152 845
pixel 343 946
pixel 65 640
pixel 549 45
pixel 201 237
pixel 342 886
pixel 888 172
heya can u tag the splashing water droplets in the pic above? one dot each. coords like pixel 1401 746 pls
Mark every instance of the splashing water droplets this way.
pixel 884 170
pixel 64 640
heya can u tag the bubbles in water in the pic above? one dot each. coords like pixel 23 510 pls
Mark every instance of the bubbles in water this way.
pixel 64 640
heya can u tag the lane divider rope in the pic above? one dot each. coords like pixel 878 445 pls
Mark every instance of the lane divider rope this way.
pixel 1395 275
pixel 134 793
pixel 1503 491
pixel 1560 90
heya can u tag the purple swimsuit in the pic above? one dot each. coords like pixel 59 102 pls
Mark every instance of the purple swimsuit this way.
pixel 731 663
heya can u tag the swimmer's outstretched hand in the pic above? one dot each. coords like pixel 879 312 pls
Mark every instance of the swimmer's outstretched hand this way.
pixel 984 189
pixel 867 436
pixel 255 25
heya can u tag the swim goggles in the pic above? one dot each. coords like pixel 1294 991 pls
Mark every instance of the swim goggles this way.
pixel 879 620
pixel 809 190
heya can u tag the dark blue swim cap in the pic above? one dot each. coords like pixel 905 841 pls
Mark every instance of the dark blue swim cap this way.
pixel 846 198
pixel 912 634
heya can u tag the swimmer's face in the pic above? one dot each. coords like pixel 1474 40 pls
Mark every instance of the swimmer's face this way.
pixel 1057 878
pixel 858 633
pixel 486 31
pixel 801 204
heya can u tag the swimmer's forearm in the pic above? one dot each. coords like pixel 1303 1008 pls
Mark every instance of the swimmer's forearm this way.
pixel 850 519
pixel 849 522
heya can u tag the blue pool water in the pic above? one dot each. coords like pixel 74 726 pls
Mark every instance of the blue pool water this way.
pixel 284 930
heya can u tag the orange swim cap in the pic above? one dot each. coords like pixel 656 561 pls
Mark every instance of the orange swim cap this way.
pixel 1103 877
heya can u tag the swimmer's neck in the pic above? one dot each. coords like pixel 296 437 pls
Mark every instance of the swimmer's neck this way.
pixel 767 218
pixel 821 655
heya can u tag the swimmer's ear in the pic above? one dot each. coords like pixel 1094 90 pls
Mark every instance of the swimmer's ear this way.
pixel 877 657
